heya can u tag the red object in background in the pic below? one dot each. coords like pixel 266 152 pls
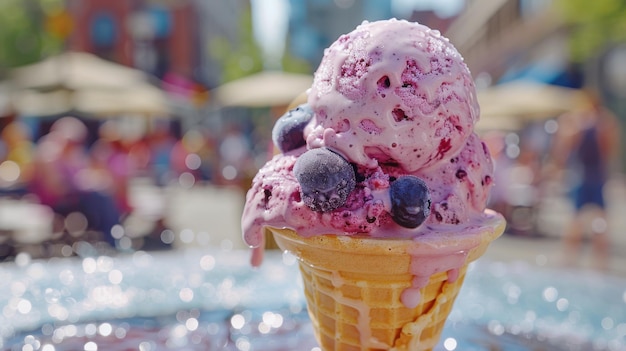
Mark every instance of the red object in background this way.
pixel 179 85
pixel 180 38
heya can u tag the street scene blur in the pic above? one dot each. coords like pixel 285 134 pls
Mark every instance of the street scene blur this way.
pixel 137 125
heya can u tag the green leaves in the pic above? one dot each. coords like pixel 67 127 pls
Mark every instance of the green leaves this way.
pixel 244 56
pixel 24 37
pixel 594 24
pixel 241 58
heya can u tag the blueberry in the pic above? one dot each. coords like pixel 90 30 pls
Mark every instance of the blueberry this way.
pixel 326 179
pixel 288 132
pixel 410 201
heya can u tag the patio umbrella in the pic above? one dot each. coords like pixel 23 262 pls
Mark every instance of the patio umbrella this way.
pixel 139 99
pixel 528 100
pixel 84 83
pixel 502 123
pixel 265 89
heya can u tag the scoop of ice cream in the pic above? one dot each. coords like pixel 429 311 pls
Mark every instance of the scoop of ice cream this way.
pixel 392 92
pixel 390 148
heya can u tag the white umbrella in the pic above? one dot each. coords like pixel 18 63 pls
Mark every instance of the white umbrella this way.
pixel 84 83
pixel 268 88
pixel 137 99
pixel 75 71
pixel 528 100
pixel 502 123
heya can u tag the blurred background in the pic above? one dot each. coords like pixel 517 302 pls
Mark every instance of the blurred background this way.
pixel 130 131
pixel 139 124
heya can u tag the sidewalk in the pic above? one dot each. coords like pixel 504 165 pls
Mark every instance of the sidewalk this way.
pixel 554 212
pixel 546 252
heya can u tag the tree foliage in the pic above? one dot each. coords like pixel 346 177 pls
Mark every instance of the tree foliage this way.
pixel 295 64
pixel 245 57
pixel 595 24
pixel 241 58
pixel 24 35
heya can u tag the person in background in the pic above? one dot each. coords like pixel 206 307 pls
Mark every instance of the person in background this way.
pixel 587 145
pixel 16 157
pixel 110 154
pixel 160 143
pixel 234 151
pixel 66 181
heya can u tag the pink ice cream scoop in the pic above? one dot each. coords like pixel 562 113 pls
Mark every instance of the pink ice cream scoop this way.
pixel 396 92
pixel 384 147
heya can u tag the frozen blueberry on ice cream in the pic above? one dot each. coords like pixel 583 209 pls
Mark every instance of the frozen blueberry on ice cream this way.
pixel 325 179
pixel 410 201
pixel 288 132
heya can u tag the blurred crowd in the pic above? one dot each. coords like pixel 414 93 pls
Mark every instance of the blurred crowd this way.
pixel 80 167
pixel 75 171
pixel 573 156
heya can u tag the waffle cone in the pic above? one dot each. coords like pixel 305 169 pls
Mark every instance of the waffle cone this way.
pixel 353 287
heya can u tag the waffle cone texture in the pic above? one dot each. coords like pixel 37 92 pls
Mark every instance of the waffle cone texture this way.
pixel 353 287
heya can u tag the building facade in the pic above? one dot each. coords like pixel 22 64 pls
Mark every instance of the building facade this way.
pixel 315 24
pixel 503 38
pixel 160 37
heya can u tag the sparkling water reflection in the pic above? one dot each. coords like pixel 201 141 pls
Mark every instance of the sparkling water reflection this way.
pixel 198 300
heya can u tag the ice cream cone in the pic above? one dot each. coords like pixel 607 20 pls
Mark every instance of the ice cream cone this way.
pixel 354 286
